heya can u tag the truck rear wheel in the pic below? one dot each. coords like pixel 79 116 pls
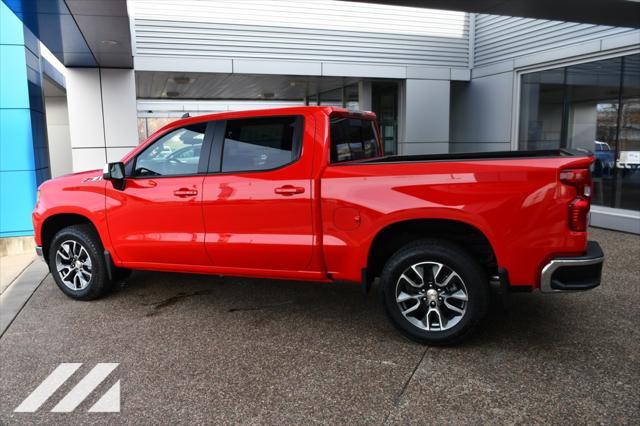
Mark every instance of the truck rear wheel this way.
pixel 77 263
pixel 434 292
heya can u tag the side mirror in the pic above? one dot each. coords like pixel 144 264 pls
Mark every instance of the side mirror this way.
pixel 115 173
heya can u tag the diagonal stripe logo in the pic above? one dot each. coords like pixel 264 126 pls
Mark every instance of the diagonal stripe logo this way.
pixel 108 403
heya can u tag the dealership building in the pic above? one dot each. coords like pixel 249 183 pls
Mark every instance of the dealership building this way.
pixel 83 82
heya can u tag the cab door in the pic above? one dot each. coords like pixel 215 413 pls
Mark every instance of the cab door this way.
pixel 157 217
pixel 257 196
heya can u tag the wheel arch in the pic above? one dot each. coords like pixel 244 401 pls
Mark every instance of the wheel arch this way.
pixel 392 237
pixel 54 223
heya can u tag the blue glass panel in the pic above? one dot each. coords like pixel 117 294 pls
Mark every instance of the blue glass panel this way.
pixel 16 140
pixel 17 197
pixel 10 27
pixel 53 24
pixel 14 91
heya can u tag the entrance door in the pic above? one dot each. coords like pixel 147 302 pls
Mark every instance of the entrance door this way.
pixel 385 105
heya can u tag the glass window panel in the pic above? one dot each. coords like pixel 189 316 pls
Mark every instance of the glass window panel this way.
pixel 176 153
pixel 142 129
pixel 258 144
pixel 592 98
pixel 156 123
pixel 628 161
pixel 351 97
pixel 541 106
pixel 580 106
pixel 331 98
pixel 352 139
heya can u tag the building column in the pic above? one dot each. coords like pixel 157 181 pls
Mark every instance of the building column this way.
pixel 424 117
pixel 24 160
pixel 364 96
pixel 102 115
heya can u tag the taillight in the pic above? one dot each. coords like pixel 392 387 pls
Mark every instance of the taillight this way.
pixel 579 207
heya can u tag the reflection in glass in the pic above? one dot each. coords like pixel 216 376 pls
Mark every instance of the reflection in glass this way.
pixel 628 161
pixel 176 153
pixel 331 98
pixel 582 107
pixel 258 144
pixel 541 105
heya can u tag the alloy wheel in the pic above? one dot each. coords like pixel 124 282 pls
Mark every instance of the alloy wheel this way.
pixel 73 264
pixel 431 296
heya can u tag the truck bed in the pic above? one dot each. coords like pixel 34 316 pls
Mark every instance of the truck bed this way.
pixel 493 155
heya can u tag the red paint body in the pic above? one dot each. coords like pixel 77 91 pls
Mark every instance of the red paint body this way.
pixel 312 220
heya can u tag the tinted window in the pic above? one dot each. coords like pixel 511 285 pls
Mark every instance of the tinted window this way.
pixel 259 143
pixel 352 139
pixel 176 153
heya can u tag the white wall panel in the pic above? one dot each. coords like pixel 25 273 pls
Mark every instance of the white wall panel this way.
pixel 481 113
pixel 58 135
pixel 498 38
pixel 425 117
pixel 119 106
pixel 307 30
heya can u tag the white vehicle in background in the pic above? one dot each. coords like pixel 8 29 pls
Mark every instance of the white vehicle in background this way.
pixel 629 160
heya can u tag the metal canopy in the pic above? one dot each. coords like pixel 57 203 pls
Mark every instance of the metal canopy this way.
pixel 80 33
pixel 616 13
pixel 212 86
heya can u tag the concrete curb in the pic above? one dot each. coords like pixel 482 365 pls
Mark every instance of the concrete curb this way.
pixel 19 292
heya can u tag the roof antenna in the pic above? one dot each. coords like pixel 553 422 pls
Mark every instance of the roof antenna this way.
pixel 185 115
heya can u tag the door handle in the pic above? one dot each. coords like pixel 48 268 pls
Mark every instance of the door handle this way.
pixel 288 190
pixel 185 192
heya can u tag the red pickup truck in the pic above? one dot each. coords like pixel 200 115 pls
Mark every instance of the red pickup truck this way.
pixel 306 193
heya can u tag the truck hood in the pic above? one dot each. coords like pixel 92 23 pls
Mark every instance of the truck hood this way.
pixel 73 179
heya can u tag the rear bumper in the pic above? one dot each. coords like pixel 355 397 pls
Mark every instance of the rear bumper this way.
pixel 573 273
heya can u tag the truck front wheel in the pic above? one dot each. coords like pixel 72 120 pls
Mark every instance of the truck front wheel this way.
pixel 434 292
pixel 77 263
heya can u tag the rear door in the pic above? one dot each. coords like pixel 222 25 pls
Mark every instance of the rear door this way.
pixel 257 196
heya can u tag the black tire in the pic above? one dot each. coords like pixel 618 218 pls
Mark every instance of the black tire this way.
pixel 472 278
pixel 98 284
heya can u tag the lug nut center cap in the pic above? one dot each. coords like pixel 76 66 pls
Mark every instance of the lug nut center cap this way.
pixel 432 295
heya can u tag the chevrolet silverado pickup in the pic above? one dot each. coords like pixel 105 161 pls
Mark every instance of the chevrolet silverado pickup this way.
pixel 306 193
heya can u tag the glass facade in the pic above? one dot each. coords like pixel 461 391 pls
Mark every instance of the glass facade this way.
pixel 593 106
pixel 24 152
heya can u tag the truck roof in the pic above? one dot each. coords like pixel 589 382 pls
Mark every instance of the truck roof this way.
pixel 225 115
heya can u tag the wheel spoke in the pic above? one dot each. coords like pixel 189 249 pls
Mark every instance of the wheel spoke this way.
pixel 65 276
pixel 63 252
pixel 403 297
pixel 76 281
pixel 446 282
pixel 83 255
pixel 412 308
pixel 435 311
pixel 435 270
pixel 459 295
pixel 454 308
pixel 419 273
pixel 410 281
pixel 83 282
